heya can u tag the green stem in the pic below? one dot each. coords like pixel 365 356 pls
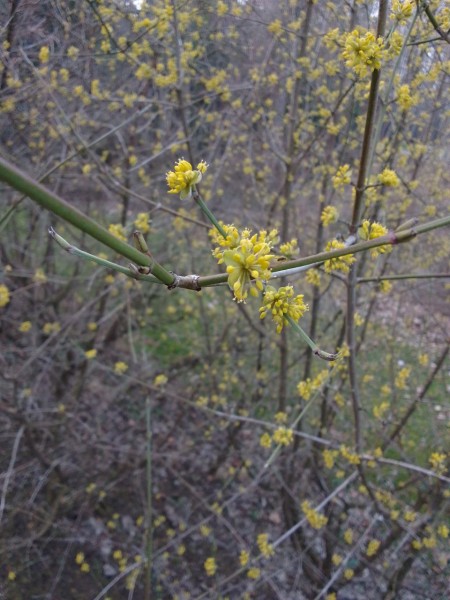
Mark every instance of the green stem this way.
pixel 50 201
pixel 99 261
pixel 314 347
pixel 207 212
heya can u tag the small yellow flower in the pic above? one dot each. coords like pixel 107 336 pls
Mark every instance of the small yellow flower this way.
pixel 371 231
pixel 373 547
pixel 342 177
pixel 401 10
pixel 117 231
pixel 265 440
pixel 253 573
pixel 348 536
pixel 437 462
pixel 11 576
pixel 79 558
pixel 50 328
pixel 120 367
pixel 25 326
pixel 142 222
pixel 182 179
pixel 244 558
pixel 315 519
pixel 210 566
pixel 265 548
pixel 39 276
pixel 348 573
pixel 85 568
pixel 90 354
pixel 160 380
pixel 4 295
pixel 329 215
pixel 44 54
pixel 92 326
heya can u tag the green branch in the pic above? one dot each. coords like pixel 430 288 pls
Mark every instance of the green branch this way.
pixel 50 201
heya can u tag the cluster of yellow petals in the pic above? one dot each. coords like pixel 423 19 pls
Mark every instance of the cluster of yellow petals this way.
pixel 340 263
pixel 371 231
pixel 282 304
pixel 362 52
pixel 184 176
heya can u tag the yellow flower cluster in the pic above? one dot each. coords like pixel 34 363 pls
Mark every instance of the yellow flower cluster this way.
pixel 265 548
pixel 351 457
pixel 402 376
pixel 340 263
pixel 308 386
pixel 380 409
pixel 329 215
pixel 248 265
pixel 315 519
pixel 362 53
pixel 437 462
pixel 342 177
pixel 142 222
pixel 117 231
pixel 389 178
pixel 4 295
pixel 404 98
pixel 184 177
pixel 281 304
pixel 210 566
pixel 371 231
pixel 373 547
pixel 401 10
pixel 283 436
pixel 120 367
pixel 329 457
pixel 290 249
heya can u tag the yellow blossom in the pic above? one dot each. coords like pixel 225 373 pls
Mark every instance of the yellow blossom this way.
pixel 342 177
pixel 40 276
pixel 351 457
pixel 304 389
pixel 315 519
pixel 44 54
pixel 348 573
pixel 120 367
pixel 253 573
pixel 443 531
pixel 313 277
pixel 11 576
pixel 282 305
pixel 265 548
pixel 281 417
pixel 25 326
pixel 336 559
pixel 289 249
pixel 401 10
pixel 402 376
pixel 341 263
pixel 265 440
pixel 371 231
pixel 160 380
pixel 437 462
pixel 329 215
pixel 283 436
pixel 79 558
pixel 182 179
pixel 389 178
pixel 373 547
pixel 85 568
pixel 210 566
pixel 244 558
pixel 90 354
pixel 4 295
pixel 142 222
pixel 329 457
pixel 362 52
pixel 49 328
pixel 72 52
pixel 248 265
pixel 348 536
pixel 117 231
